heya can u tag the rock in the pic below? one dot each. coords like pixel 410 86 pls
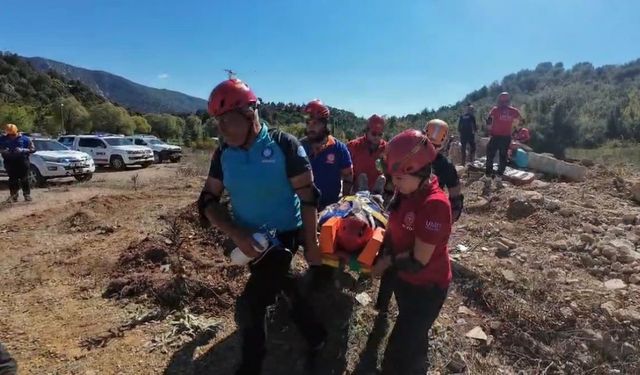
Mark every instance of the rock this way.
pixel 627 349
pixel 592 228
pixel 537 184
pixel 566 312
pixel 609 308
pixel 617 231
pixel 495 326
pixel 586 260
pixel 616 266
pixel 509 275
pixel 363 299
pixel 466 311
pixel 635 191
pixel 532 196
pixel 633 238
pixel 634 279
pixel 587 162
pixel 587 238
pixel 595 253
pixel 501 246
pixel 630 219
pixel 609 252
pixel 627 269
pixel 457 364
pixel 614 284
pixel 566 212
pixel 520 208
pixel 559 245
pixel 508 242
pixel 477 333
pixel 628 315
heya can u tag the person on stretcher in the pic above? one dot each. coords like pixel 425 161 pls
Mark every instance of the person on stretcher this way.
pixel 352 229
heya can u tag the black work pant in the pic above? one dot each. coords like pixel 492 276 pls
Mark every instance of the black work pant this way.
pixel 270 277
pixel 418 308
pixel 499 145
pixel 18 172
pixel 468 140
pixel 7 364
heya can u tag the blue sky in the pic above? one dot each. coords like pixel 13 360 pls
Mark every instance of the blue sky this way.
pixel 388 57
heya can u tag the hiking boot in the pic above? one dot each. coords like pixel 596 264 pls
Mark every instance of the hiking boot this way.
pixel 499 183
pixel 12 198
pixel 378 187
pixel 363 182
pixel 27 198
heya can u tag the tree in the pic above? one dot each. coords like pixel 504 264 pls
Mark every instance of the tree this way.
pixel 22 116
pixel 141 125
pixel 210 127
pixel 193 129
pixel 164 126
pixel 111 119
pixel 71 116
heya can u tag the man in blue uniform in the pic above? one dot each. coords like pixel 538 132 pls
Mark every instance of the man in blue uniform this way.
pixel 330 158
pixel 269 180
pixel 15 149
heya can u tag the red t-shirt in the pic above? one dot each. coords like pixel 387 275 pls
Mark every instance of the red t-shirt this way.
pixel 363 160
pixel 425 214
pixel 502 120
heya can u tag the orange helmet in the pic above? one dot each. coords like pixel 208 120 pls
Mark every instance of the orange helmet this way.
pixel 437 131
pixel 409 152
pixel 11 129
pixel 229 95
pixel 353 234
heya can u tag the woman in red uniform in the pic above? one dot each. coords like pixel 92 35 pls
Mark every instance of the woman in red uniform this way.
pixel 417 236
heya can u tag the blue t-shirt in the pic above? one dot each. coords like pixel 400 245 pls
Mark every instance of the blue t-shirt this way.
pixel 20 141
pixel 257 180
pixel 327 168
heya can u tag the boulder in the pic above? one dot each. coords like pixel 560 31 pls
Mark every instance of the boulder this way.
pixel 520 208
pixel 614 284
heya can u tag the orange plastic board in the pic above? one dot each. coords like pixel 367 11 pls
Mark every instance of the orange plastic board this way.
pixel 368 255
pixel 328 235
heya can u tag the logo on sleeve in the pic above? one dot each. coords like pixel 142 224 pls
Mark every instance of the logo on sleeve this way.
pixel 331 158
pixel 407 222
pixel 301 152
pixel 433 226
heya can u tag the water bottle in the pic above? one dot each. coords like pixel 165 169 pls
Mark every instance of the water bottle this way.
pixel 261 243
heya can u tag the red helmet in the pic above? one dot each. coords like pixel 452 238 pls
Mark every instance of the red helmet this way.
pixel 229 95
pixel 376 122
pixel 353 234
pixel 408 152
pixel 317 109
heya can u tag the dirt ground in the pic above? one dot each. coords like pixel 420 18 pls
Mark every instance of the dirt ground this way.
pixel 117 276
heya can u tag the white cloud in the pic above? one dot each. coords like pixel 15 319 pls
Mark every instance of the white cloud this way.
pixel 163 76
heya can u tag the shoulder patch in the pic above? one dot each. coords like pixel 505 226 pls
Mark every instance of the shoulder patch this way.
pixel 301 152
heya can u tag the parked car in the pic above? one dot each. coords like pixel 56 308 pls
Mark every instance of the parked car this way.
pixel 54 160
pixel 110 150
pixel 161 150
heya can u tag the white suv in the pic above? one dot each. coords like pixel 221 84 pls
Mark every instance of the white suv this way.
pixel 53 160
pixel 113 150
pixel 161 150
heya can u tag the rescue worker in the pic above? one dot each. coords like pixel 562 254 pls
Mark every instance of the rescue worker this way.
pixel 415 249
pixel 270 184
pixel 330 158
pixel 467 128
pixel 500 122
pixel 437 131
pixel 365 153
pixel 15 149
pixel 7 364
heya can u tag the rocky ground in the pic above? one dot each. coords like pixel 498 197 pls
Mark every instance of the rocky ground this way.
pixel 117 276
